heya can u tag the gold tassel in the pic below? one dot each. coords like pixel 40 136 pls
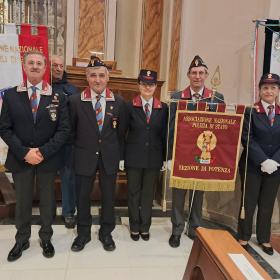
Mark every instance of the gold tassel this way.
pixel 242 213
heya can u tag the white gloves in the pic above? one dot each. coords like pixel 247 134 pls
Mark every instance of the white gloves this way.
pixel 269 166
pixel 169 165
pixel 121 165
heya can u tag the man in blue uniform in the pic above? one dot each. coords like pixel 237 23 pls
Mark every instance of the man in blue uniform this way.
pixel 98 122
pixel 67 174
pixel 195 92
pixel 34 124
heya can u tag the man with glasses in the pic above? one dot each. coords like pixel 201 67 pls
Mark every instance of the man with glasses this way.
pixel 195 92
pixel 67 174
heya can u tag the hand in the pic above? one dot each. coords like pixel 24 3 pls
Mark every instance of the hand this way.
pixel 33 156
pixel 121 165
pixel 269 166
pixel 163 168
pixel 268 171
pixel 39 154
pixel 169 165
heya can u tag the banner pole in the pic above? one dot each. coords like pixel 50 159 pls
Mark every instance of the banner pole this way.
pixel 242 211
pixel 190 211
pixel 255 60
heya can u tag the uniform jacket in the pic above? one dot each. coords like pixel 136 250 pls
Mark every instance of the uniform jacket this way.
pixel 186 95
pixel 264 139
pixel 89 143
pixel 18 130
pixel 146 142
pixel 63 86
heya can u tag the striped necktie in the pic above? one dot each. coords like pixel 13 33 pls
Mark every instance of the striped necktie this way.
pixel 147 112
pixel 271 114
pixel 34 102
pixel 99 114
pixel 196 96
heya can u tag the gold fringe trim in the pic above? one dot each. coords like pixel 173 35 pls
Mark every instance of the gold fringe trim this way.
pixel 222 186
pixel 2 168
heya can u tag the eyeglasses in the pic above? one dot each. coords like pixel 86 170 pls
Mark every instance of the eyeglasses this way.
pixel 200 73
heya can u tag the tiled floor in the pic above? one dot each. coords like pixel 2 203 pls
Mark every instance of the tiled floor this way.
pixel 131 260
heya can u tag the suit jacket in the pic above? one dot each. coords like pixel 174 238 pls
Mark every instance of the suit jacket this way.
pixel 186 95
pixel 89 143
pixel 18 130
pixel 264 139
pixel 146 142
pixel 64 87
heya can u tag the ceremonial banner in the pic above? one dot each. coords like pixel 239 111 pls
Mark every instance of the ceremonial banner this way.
pixel 205 151
pixel 38 42
pixel 271 63
pixel 11 73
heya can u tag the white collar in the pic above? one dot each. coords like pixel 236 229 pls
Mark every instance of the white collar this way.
pixel 150 101
pixel 38 86
pixel 265 105
pixel 200 92
pixel 94 94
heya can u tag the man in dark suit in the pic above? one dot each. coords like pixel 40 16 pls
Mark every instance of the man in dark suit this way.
pixel 195 92
pixel 144 152
pixel 67 174
pixel 34 124
pixel 98 122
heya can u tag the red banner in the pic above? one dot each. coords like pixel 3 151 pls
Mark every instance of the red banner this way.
pixel 206 149
pixel 39 42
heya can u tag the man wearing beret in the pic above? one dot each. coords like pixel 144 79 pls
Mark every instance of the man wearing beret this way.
pixel 98 123
pixel 34 123
pixel 195 92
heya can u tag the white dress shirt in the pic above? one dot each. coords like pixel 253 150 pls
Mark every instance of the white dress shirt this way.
pixel 38 90
pixel 200 92
pixel 150 102
pixel 265 106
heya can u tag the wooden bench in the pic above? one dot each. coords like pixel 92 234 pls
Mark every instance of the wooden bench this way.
pixel 209 257
pixel 7 197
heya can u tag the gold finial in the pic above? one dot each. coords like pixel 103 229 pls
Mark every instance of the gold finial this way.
pixel 216 78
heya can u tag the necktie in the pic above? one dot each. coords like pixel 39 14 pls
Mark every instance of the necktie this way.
pixel 34 102
pixel 271 114
pixel 196 96
pixel 99 114
pixel 147 112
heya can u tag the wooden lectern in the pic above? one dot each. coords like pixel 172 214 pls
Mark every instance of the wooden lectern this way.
pixel 209 258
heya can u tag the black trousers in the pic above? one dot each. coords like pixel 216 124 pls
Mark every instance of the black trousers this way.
pixel 261 190
pixel 178 217
pixel 24 184
pixel 141 188
pixel 83 191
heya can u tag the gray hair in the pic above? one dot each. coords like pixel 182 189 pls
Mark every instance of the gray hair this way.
pixel 34 52
pixel 106 70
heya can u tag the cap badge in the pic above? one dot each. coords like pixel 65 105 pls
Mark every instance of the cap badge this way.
pixel 196 62
pixel 269 76
pixel 148 73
